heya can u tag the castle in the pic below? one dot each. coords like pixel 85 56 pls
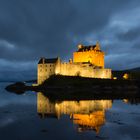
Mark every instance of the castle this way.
pixel 88 61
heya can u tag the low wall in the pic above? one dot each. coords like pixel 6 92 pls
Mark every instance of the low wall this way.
pixel 84 71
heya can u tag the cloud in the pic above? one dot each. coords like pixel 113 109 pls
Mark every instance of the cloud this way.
pixel 130 35
pixel 30 29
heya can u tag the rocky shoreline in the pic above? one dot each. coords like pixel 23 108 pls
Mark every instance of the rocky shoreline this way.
pixel 72 87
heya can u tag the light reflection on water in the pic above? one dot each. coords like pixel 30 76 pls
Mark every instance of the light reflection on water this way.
pixel 87 115
pixel 34 116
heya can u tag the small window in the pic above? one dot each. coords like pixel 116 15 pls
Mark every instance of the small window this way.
pixel 50 69
pixel 50 65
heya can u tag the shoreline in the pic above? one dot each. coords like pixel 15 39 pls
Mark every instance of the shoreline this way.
pixel 60 87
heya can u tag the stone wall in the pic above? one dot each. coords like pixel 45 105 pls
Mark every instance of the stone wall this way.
pixel 70 69
pixel 44 72
pixel 94 57
pixel 80 70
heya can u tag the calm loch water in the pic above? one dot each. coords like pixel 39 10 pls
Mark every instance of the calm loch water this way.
pixel 33 116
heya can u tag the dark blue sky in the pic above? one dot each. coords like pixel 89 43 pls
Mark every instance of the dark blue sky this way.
pixel 30 29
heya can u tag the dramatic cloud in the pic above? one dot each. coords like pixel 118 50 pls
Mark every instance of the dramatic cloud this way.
pixel 30 29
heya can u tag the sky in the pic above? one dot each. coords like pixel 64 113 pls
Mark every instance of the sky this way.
pixel 30 29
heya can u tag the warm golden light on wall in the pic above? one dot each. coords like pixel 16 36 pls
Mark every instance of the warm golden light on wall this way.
pixel 91 54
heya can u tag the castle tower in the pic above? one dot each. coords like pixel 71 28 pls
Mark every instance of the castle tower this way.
pixel 41 71
pixel 89 54
pixel 46 68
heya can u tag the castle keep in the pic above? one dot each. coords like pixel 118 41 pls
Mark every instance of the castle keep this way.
pixel 88 61
pixel 89 54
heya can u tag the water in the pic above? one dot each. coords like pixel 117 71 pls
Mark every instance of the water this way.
pixel 33 116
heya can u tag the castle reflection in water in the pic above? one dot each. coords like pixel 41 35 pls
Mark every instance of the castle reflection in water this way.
pixel 86 114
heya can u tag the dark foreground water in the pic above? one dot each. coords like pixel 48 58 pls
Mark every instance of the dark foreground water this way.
pixel 34 116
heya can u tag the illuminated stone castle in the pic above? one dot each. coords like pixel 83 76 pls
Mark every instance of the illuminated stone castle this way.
pixel 88 61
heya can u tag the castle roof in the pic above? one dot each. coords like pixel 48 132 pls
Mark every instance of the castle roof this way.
pixel 82 48
pixel 43 60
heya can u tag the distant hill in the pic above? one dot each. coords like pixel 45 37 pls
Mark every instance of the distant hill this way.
pixel 134 69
